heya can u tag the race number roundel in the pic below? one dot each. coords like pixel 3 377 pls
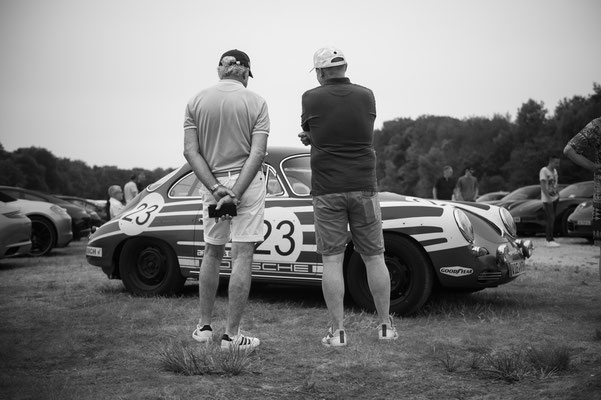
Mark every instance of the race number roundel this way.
pixel 283 236
pixel 138 219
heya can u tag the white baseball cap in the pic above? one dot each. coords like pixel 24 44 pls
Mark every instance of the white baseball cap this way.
pixel 327 57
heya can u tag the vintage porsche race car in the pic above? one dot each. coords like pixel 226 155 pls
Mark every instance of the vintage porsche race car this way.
pixel 157 242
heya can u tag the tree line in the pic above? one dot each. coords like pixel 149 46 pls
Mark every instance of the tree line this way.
pixel 38 169
pixel 506 154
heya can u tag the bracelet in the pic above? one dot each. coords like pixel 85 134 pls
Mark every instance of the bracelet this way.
pixel 214 187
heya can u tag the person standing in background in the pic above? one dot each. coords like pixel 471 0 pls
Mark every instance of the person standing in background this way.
pixel 445 185
pixel 130 189
pixel 548 177
pixel 467 186
pixel 115 201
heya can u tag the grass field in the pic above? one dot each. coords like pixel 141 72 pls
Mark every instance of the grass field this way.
pixel 69 333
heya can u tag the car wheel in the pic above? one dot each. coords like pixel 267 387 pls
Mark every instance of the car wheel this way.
pixel 411 276
pixel 149 267
pixel 43 236
pixel 564 221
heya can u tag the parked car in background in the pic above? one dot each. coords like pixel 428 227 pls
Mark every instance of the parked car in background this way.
pixel 80 219
pixel 157 242
pixel 15 231
pixel 530 218
pixel 520 195
pixel 492 196
pixel 50 224
pixel 97 214
pixel 580 221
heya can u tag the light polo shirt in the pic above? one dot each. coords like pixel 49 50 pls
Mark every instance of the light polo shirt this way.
pixel 225 117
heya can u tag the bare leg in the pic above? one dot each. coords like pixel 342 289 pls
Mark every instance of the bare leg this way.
pixel 378 278
pixel 209 281
pixel 239 286
pixel 332 285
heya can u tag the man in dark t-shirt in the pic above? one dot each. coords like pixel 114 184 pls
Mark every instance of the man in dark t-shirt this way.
pixel 445 185
pixel 337 120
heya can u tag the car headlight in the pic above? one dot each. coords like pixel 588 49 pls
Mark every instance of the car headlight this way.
pixel 507 219
pixel 464 225
pixel 58 210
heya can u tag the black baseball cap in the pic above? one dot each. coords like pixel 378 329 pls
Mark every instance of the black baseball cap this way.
pixel 235 57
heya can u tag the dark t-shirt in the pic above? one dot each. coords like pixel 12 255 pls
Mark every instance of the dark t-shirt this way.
pixel 444 188
pixel 340 117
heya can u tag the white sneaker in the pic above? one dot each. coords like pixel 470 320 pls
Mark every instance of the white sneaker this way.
pixel 239 342
pixel 388 332
pixel 552 243
pixel 203 334
pixel 335 338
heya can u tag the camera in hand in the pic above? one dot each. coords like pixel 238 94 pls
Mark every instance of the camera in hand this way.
pixel 226 209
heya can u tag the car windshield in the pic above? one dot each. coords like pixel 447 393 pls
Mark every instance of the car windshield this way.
pixel 583 189
pixel 524 193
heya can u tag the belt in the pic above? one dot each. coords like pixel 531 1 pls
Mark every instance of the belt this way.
pixel 226 173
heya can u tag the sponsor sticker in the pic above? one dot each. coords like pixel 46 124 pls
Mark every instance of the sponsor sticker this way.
pixel 456 271
pixel 94 251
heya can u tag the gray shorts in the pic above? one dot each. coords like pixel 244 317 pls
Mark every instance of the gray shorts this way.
pixel 335 212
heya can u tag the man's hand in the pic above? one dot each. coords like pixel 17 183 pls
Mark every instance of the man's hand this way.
pixel 225 195
pixel 305 138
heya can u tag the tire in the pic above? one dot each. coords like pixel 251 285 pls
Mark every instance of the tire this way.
pixel 149 267
pixel 43 236
pixel 563 230
pixel 411 277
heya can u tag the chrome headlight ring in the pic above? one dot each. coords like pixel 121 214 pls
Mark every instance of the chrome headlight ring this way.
pixel 464 225
pixel 508 222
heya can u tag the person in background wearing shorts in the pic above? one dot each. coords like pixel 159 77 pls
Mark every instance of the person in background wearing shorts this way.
pixel 226 129
pixel 337 120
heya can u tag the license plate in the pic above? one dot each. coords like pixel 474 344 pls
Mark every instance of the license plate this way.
pixel 94 251
pixel 585 223
pixel 516 268
pixel 516 219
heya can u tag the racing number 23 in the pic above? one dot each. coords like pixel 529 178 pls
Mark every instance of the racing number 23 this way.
pixel 287 230
pixel 142 214
pixel 136 221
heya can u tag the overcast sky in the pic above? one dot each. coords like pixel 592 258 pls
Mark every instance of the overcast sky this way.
pixel 106 82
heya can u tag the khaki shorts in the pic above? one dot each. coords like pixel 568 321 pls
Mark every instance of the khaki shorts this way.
pixel 337 211
pixel 247 226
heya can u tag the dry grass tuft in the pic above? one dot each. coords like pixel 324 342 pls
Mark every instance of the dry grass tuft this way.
pixel 182 358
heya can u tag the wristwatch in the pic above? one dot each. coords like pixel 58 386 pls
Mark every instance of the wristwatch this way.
pixel 214 187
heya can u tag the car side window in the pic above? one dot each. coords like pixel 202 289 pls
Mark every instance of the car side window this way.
pixel 274 187
pixel 188 186
pixel 298 173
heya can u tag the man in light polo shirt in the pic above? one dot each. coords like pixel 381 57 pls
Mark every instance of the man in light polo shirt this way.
pixel 226 129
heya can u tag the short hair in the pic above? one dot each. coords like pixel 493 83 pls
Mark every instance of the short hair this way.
pixel 132 177
pixel 234 70
pixel 447 167
pixel 114 189
pixel 553 157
